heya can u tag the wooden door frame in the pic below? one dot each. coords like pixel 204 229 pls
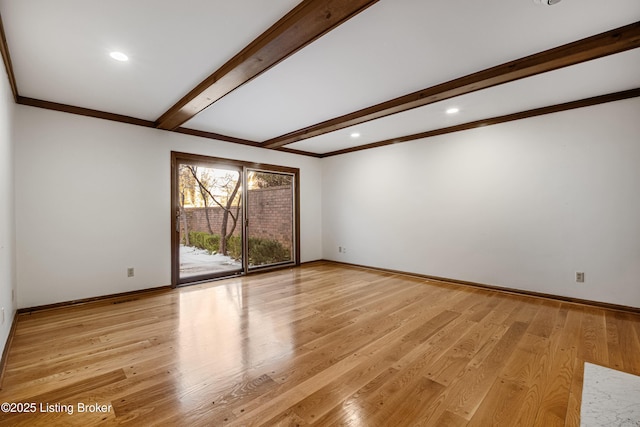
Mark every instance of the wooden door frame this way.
pixel 178 157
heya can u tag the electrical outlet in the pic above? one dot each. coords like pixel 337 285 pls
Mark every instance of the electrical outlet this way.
pixel 13 295
pixel 130 272
pixel 339 249
pixel 344 250
pixel 580 277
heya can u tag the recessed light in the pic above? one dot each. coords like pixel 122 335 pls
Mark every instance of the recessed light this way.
pixel 355 135
pixel 453 110
pixel 119 56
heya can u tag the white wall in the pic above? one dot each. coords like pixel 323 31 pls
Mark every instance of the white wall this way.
pixel 93 198
pixel 7 219
pixel 521 205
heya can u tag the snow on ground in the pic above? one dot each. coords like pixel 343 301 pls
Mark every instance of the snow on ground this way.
pixel 195 261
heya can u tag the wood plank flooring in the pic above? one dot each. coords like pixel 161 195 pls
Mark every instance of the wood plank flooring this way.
pixel 322 344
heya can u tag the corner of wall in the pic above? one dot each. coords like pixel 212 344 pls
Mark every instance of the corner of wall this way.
pixel 8 288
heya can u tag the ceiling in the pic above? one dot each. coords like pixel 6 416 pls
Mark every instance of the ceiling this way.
pixel 376 52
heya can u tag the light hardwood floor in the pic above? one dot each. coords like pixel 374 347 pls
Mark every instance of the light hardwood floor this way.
pixel 322 344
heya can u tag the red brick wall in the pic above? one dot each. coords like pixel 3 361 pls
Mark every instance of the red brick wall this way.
pixel 197 220
pixel 270 213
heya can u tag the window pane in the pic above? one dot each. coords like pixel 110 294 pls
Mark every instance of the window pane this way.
pixel 209 201
pixel 270 214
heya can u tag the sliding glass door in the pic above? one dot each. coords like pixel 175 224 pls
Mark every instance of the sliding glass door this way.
pixel 219 229
pixel 209 220
pixel 270 206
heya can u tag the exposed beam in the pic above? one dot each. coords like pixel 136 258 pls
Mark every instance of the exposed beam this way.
pixel 607 43
pixel 71 109
pixel 216 136
pixel 304 24
pixel 587 102
pixel 6 57
pixel 83 111
pixel 219 137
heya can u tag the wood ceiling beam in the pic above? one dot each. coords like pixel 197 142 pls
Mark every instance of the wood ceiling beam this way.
pixel 607 43
pixel 587 102
pixel 219 137
pixel 81 111
pixel 305 23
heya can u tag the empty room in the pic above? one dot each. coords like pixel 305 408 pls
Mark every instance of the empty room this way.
pixel 320 212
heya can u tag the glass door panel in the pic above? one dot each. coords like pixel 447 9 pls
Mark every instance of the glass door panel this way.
pixel 209 220
pixel 270 214
pixel 230 217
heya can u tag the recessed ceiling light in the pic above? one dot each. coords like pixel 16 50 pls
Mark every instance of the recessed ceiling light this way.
pixel 119 56
pixel 355 135
pixel 453 110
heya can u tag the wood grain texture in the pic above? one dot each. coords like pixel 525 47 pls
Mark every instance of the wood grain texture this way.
pixel 321 344
pixel 305 23
pixel 607 43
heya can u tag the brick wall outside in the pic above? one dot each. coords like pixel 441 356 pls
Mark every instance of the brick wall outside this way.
pixel 270 213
